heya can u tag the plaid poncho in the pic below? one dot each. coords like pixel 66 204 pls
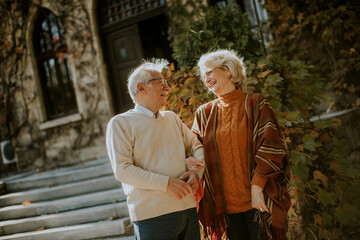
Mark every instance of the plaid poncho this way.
pixel 267 156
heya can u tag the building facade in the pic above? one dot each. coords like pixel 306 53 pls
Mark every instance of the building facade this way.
pixel 64 68
pixel 71 76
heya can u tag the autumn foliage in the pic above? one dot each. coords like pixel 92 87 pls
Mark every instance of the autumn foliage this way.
pixel 325 183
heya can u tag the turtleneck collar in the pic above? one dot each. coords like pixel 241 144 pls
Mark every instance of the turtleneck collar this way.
pixel 227 98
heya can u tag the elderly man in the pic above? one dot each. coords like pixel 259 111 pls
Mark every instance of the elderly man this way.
pixel 147 150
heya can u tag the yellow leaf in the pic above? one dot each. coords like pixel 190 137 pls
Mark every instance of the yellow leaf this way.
pixel 26 203
pixel 191 101
pixel 189 81
pixel 175 90
pixel 293 116
pixel 315 133
pixel 357 102
pixel 262 65
pixel 40 229
pixel 319 175
pixel 264 74
pixel 17 49
pixel 300 148
pixel 291 212
pixel 171 67
pixel 318 219
pixel 325 137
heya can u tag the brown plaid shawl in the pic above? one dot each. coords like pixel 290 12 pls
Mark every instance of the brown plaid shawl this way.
pixel 268 157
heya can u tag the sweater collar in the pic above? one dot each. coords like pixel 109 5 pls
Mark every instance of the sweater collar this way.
pixel 236 95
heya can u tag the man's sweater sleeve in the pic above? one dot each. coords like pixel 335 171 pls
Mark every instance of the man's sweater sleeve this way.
pixel 120 153
pixel 193 146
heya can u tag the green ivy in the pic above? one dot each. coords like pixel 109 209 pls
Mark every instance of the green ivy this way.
pixel 326 35
pixel 217 28
pixel 324 184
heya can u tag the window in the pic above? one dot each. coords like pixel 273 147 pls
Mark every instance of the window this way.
pixel 256 14
pixel 115 10
pixel 55 78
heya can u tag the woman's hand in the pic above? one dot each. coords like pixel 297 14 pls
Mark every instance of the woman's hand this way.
pixel 257 199
pixel 191 178
pixel 194 164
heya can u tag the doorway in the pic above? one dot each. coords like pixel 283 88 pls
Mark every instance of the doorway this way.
pixel 126 42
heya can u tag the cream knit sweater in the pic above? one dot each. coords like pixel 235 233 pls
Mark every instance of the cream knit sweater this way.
pixel 144 152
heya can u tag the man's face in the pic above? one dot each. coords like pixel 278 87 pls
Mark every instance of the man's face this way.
pixel 157 90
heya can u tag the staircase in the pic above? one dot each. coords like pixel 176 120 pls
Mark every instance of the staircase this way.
pixel 79 202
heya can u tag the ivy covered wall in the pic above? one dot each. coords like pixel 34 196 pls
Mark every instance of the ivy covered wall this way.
pixel 38 142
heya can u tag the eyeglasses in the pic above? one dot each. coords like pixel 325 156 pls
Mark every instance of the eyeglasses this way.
pixel 163 82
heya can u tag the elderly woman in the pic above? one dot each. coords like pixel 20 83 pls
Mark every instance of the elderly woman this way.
pixel 247 168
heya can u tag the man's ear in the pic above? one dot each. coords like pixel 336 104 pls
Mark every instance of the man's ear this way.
pixel 140 87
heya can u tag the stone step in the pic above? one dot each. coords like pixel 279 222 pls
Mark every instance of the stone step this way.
pixel 82 165
pixel 132 237
pixel 53 178
pixel 86 215
pixel 61 205
pixel 15 176
pixel 102 229
pixel 67 190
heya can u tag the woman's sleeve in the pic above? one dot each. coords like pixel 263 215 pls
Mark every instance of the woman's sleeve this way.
pixel 198 126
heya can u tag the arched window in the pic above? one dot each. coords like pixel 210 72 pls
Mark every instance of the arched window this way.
pixel 55 77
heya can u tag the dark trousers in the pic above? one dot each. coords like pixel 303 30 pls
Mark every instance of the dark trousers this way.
pixel 242 226
pixel 183 225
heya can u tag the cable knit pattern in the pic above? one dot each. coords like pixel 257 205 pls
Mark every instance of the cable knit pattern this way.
pixel 231 137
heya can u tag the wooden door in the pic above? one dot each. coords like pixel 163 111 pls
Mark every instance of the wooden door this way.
pixel 123 53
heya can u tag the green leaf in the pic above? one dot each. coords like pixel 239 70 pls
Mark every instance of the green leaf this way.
pixel 314 184
pixel 300 170
pixel 327 219
pixel 322 124
pixel 346 214
pixel 302 72
pixel 297 157
pixel 325 197
pixel 282 121
pixel 273 79
pixel 178 74
pixel 309 142
pixel 185 93
pixel 293 116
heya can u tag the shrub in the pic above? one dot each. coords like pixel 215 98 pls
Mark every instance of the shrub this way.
pixel 218 28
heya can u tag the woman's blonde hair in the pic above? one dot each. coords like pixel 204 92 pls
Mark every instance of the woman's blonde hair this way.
pixel 224 59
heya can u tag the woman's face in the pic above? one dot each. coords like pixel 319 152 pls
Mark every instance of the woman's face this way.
pixel 218 81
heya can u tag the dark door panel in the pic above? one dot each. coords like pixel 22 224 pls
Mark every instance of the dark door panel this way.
pixel 123 53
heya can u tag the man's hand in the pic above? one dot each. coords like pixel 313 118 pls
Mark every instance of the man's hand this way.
pixel 194 164
pixel 257 199
pixel 178 188
pixel 192 178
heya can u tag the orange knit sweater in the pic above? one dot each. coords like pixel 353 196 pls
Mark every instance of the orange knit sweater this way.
pixel 231 137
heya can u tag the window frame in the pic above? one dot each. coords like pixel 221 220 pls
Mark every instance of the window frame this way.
pixel 60 67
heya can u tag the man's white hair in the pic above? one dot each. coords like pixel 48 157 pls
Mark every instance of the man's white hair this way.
pixel 142 74
pixel 224 59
